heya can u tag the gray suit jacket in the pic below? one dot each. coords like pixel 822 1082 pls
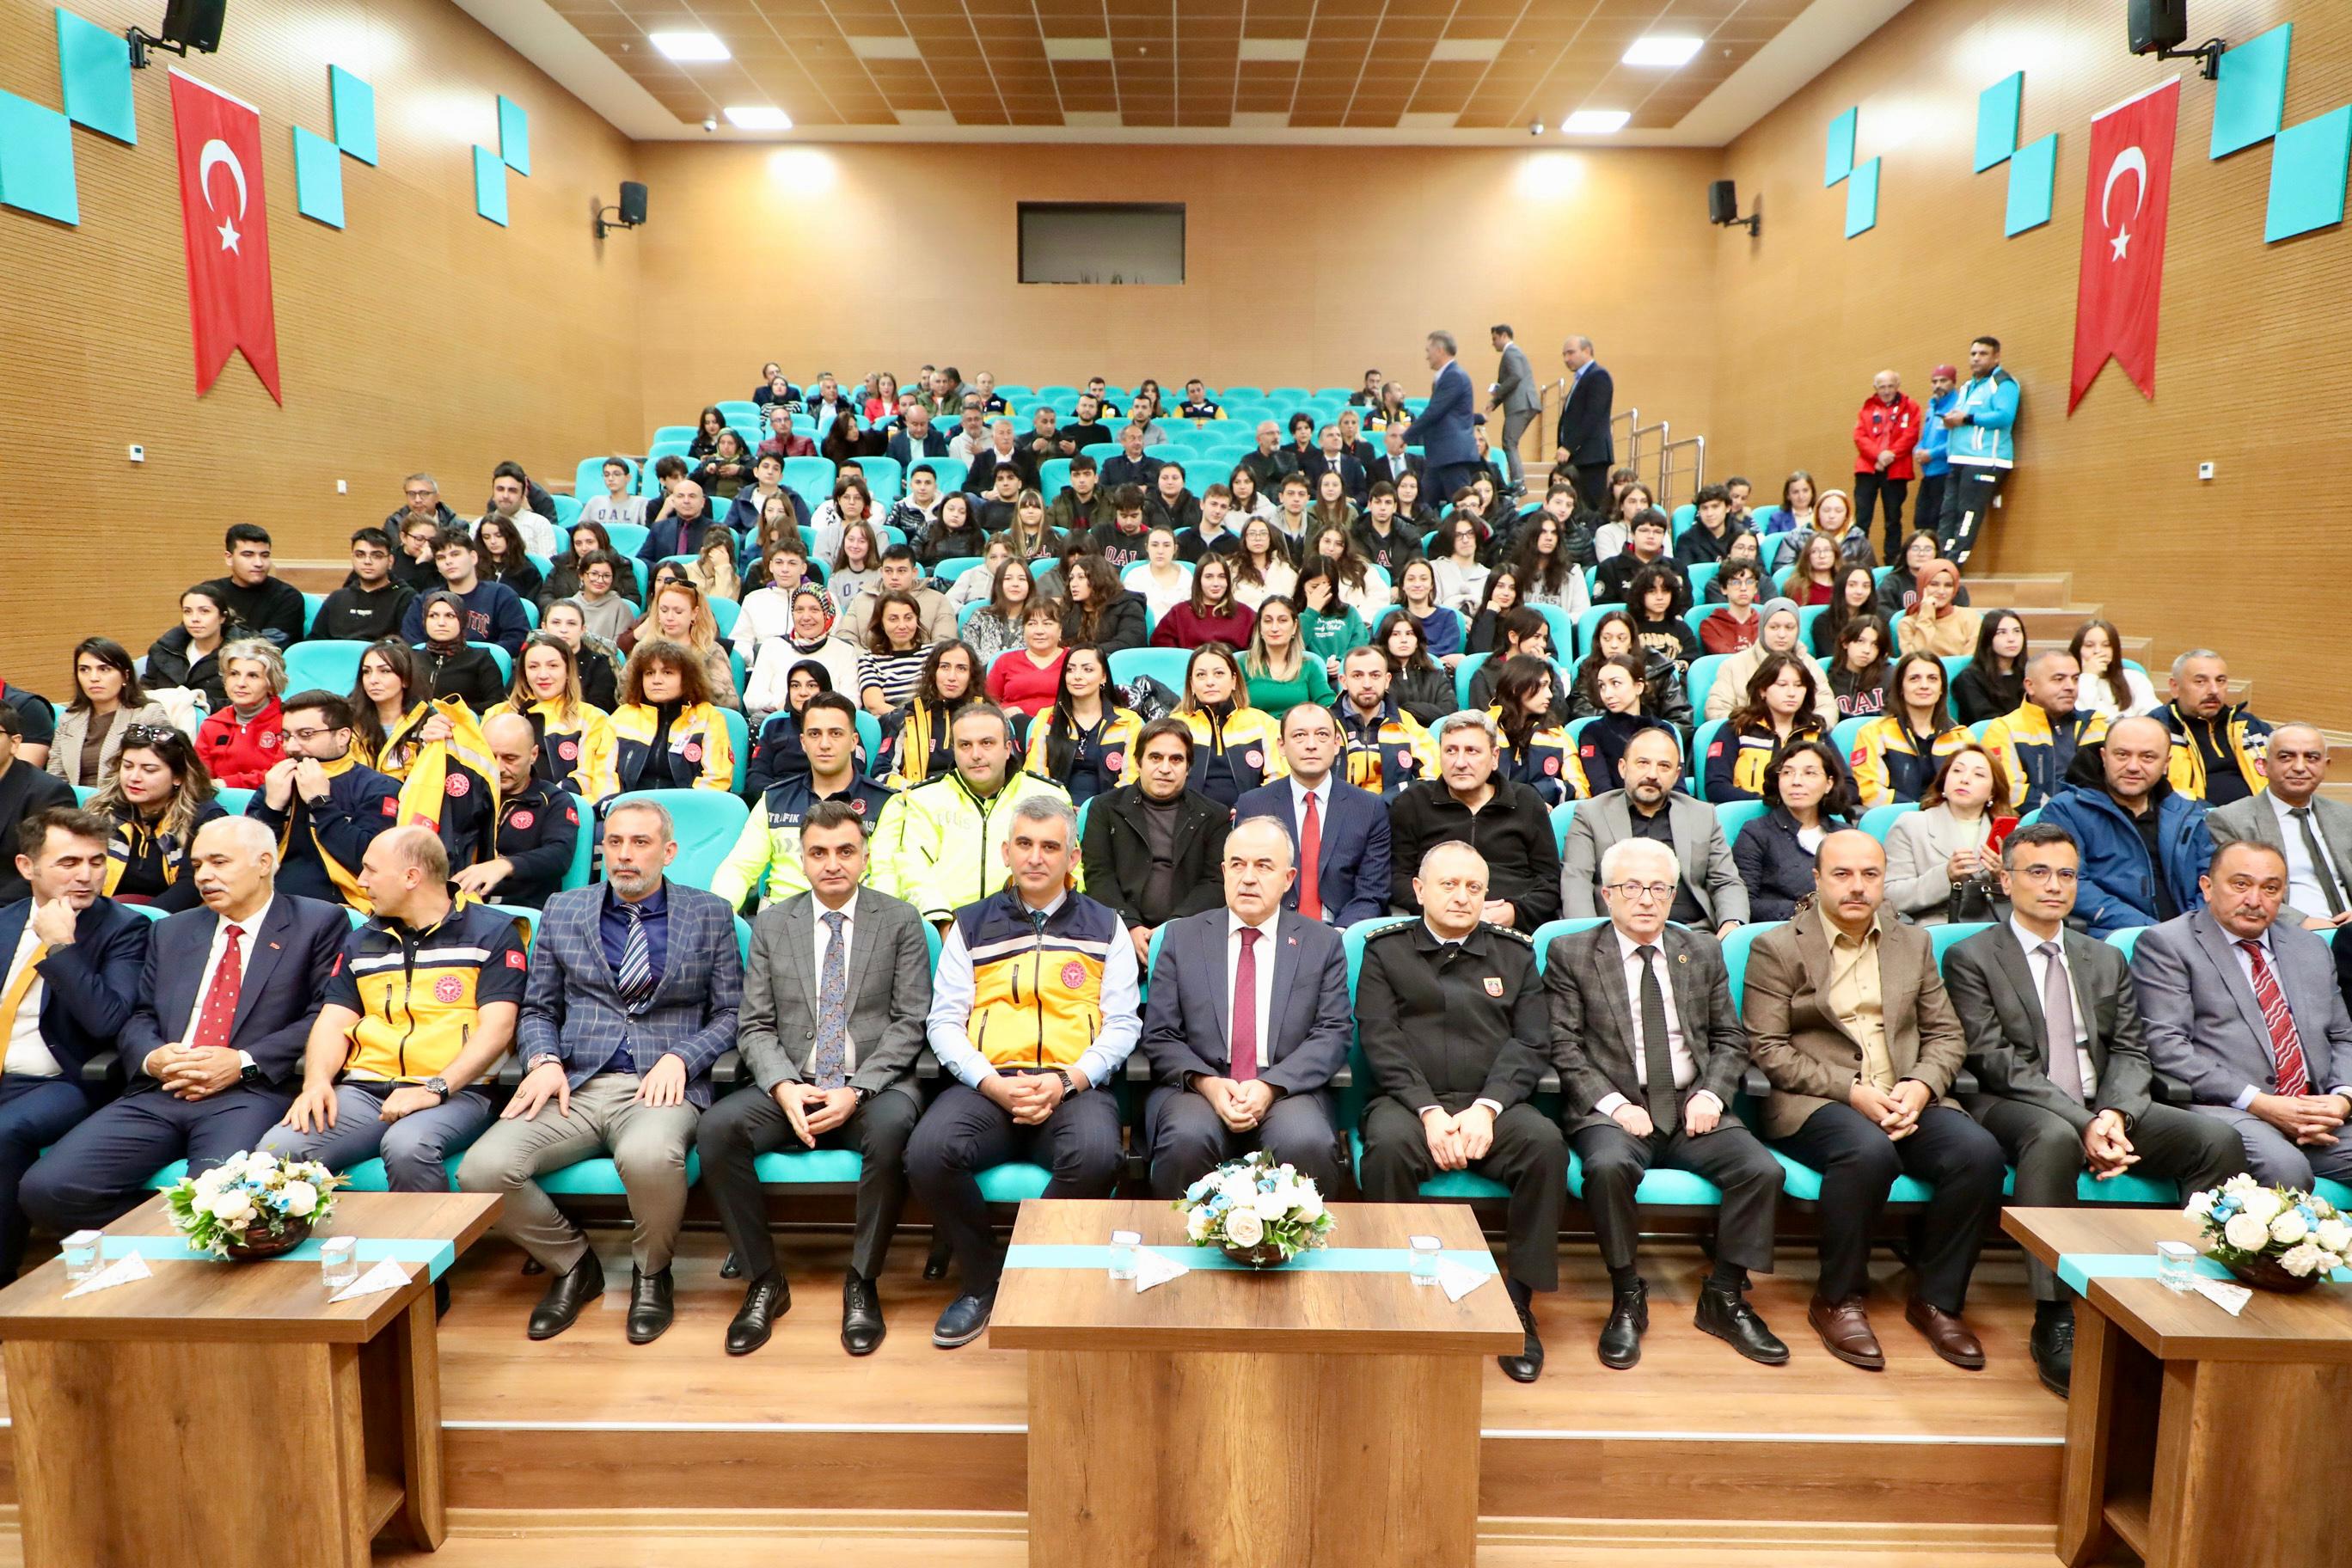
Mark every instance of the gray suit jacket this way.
pixel 1188 1021
pixel 1516 391
pixel 2203 1025
pixel 1708 870
pixel 2252 817
pixel 1992 989
pixel 889 982
pixel 1592 1032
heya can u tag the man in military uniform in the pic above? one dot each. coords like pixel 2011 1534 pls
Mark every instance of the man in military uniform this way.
pixel 1453 1017
pixel 539 824
pixel 769 846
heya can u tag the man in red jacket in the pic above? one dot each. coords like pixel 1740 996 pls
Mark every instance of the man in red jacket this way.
pixel 1884 435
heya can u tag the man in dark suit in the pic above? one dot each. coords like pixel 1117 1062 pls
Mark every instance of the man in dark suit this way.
pixel 2243 1008
pixel 214 1045
pixel 1585 443
pixel 1133 466
pixel 25 789
pixel 1331 454
pixel 834 1004
pixel 1444 431
pixel 71 977
pixel 1003 451
pixel 1394 462
pixel 1515 394
pixel 1451 1012
pixel 635 982
pixel 2311 830
pixel 1246 1024
pixel 1650 1055
pixel 2053 1035
pixel 1847 1016
pixel 917 440
pixel 1707 892
pixel 1341 832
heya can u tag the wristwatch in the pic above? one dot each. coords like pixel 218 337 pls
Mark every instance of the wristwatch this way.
pixel 439 1085
pixel 1068 1087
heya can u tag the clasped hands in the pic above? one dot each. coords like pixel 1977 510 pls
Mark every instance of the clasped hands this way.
pixel 1896 1112
pixel 194 1072
pixel 1455 1140
pixel 1240 1105
pixel 814 1111
pixel 2309 1119
pixel 1030 1098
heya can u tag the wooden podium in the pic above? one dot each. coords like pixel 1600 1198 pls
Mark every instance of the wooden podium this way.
pixel 224 1414
pixel 2197 1439
pixel 1241 1418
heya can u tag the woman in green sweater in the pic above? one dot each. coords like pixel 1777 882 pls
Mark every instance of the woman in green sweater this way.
pixel 1281 674
pixel 1327 624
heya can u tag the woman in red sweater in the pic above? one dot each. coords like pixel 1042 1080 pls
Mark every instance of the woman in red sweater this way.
pixel 1026 680
pixel 1212 615
pixel 244 739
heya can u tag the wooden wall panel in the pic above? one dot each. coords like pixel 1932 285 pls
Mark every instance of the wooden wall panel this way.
pixel 419 336
pixel 1304 265
pixel 2250 359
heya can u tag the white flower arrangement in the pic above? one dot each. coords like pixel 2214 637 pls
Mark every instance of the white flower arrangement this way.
pixel 2245 1222
pixel 1253 1201
pixel 249 1197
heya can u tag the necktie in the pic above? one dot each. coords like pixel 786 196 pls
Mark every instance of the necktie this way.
pixel 2064 1063
pixel 832 1006
pixel 2322 869
pixel 2286 1046
pixel 14 998
pixel 1244 1030
pixel 217 1016
pixel 636 981
pixel 1657 1061
pixel 1310 862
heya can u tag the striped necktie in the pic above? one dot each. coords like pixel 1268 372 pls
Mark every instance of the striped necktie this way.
pixel 2287 1043
pixel 636 980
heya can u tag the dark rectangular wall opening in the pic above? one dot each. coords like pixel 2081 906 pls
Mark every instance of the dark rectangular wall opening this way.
pixel 1102 242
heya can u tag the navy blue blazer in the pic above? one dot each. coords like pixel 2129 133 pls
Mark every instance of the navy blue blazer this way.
pixel 1584 429
pixel 1355 856
pixel 1188 1019
pixel 285 985
pixel 1352 479
pixel 89 988
pixel 1444 432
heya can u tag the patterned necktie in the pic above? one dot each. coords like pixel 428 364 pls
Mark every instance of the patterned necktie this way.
pixel 832 1006
pixel 2322 870
pixel 1245 1009
pixel 217 1016
pixel 636 980
pixel 1310 862
pixel 2065 1063
pixel 2286 1046
pixel 1657 1059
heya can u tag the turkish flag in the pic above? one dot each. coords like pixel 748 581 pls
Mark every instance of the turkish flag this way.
pixel 2123 239
pixel 226 223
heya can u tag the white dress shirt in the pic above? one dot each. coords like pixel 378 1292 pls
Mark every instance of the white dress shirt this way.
pixel 252 930
pixel 1264 960
pixel 2305 888
pixel 28 1054
pixel 817 911
pixel 1678 1050
pixel 2038 966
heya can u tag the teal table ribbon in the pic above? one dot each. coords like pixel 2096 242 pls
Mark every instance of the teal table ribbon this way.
pixel 1326 1259
pixel 437 1256
pixel 2076 1269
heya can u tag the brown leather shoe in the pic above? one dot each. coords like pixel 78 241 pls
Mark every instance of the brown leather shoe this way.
pixel 1844 1329
pixel 1946 1334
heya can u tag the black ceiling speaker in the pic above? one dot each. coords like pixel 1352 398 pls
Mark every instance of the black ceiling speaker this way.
pixel 188 25
pixel 2159 27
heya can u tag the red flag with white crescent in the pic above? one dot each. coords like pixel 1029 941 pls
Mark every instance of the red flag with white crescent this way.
pixel 227 225
pixel 2123 214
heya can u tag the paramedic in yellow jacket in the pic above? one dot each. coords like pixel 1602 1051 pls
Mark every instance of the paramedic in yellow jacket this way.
pixel 574 736
pixel 421 1004
pixel 941 844
pixel 666 732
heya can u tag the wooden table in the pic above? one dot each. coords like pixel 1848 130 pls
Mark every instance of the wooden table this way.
pixel 224 1414
pixel 1248 1419
pixel 2198 1439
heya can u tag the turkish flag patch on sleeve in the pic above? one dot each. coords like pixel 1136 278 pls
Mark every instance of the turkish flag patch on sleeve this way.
pixel 392 806
pixel 514 959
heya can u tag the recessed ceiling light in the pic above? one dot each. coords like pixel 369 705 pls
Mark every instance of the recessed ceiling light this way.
pixel 690 47
pixel 1459 49
pixel 758 117
pixel 1077 49
pixel 885 47
pixel 1595 121
pixel 1662 49
pixel 1274 48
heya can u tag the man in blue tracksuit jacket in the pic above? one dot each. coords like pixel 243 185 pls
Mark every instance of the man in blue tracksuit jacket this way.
pixel 1981 447
pixel 1933 452
pixel 2144 845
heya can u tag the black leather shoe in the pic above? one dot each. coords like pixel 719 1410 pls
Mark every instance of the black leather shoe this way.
pixel 1727 1315
pixel 768 1299
pixel 729 1268
pixel 965 1320
pixel 566 1295
pixel 861 1316
pixel 650 1307
pixel 935 1267
pixel 2053 1351
pixel 1620 1337
pixel 1528 1365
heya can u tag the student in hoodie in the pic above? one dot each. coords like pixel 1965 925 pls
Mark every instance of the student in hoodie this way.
pixel 268 607
pixel 492 611
pixel 2217 746
pixel 324 808
pixel 1082 503
pixel 1382 535
pixel 618 503
pixel 453 665
pixel 1645 544
pixel 1121 541
pixel 370 605
pixel 996 510
pixel 2144 844
pixel 919 507
pixel 245 738
pixel 1710 536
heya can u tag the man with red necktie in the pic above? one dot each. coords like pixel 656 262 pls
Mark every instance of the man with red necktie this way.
pixel 1246 1024
pixel 2244 1007
pixel 214 1045
pixel 1341 832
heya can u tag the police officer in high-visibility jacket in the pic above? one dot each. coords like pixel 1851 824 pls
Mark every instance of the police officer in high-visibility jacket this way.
pixel 767 850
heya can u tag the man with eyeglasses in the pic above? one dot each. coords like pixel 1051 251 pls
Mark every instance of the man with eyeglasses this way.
pixel 324 806
pixel 422 503
pixel 2053 1037
pixel 1650 1053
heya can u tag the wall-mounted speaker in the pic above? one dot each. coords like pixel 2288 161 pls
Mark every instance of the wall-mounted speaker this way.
pixel 2156 25
pixel 632 203
pixel 1723 202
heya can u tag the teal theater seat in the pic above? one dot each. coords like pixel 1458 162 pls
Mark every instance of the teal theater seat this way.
pixel 810 1167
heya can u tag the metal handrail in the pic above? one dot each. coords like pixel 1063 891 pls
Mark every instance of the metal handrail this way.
pixel 1636 445
pixel 1627 443
pixel 1668 494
